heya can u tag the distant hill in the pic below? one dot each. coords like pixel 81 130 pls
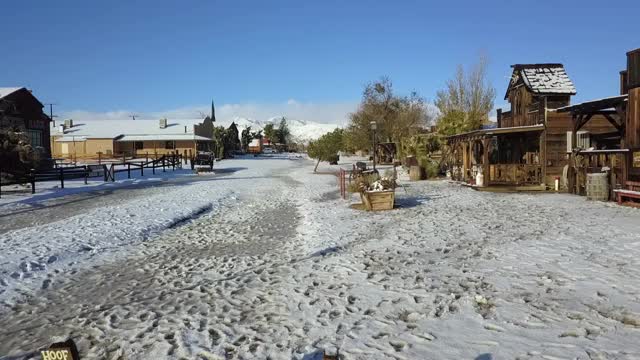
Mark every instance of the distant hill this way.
pixel 301 131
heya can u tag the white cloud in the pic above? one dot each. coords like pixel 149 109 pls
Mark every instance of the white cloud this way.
pixel 326 113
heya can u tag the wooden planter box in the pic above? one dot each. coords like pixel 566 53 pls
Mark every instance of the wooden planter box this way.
pixel 379 200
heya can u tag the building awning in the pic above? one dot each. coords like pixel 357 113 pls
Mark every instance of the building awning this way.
pixel 589 107
pixel 163 137
pixel 514 129
pixel 71 138
pixel 483 133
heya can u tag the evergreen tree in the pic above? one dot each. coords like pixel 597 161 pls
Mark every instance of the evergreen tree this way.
pixel 283 134
pixel 245 138
pixel 270 132
pixel 326 147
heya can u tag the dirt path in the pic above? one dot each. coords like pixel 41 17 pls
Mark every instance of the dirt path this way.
pixel 191 275
pixel 287 271
pixel 54 208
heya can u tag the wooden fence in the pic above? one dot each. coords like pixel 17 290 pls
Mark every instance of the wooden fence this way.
pixel 342 183
pixel 106 171
pixel 515 174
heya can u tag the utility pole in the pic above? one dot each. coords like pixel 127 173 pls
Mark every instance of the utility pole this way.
pixel 51 112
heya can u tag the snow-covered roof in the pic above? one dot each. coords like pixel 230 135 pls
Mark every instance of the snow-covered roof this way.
pixel 543 79
pixel 163 137
pixel 110 129
pixel 4 91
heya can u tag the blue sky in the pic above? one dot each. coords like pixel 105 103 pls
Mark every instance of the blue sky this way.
pixel 156 57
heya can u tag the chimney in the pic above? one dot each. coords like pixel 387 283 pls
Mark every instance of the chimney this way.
pixel 185 129
pixel 68 124
pixel 163 123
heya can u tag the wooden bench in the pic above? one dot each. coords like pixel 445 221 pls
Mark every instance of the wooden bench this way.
pixel 632 190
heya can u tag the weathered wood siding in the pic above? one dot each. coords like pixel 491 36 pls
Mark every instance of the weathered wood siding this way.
pixel 556 140
pixel 633 69
pixel 633 119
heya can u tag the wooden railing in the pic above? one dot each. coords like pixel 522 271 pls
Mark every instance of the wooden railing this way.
pixel 515 174
pixel 106 171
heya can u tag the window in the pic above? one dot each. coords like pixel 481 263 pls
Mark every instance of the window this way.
pixel 169 145
pixel 35 137
pixel 138 145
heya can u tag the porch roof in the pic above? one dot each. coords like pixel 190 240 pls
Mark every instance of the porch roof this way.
pixel 589 107
pixel 497 131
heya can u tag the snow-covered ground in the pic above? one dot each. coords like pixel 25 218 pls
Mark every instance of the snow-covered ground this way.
pixel 268 262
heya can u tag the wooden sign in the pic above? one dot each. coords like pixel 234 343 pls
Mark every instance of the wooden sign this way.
pixel 61 351
pixel 57 354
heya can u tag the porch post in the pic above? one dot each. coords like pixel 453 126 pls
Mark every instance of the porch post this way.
pixel 542 156
pixel 572 174
pixel 485 161
pixel 465 160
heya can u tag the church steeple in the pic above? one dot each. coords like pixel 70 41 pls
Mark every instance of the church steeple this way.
pixel 213 112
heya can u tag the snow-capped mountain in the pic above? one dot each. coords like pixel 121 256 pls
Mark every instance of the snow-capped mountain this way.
pixel 301 131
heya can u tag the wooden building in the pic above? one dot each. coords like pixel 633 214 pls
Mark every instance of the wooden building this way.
pixel 21 110
pixel 616 151
pixel 530 146
pixel 113 138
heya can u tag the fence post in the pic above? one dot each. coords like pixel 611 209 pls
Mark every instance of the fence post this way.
pixel 86 174
pixel 104 171
pixel 173 162
pixel 62 178
pixel 128 170
pixel 163 158
pixel 141 168
pixel 153 167
pixel 32 178
pixel 113 173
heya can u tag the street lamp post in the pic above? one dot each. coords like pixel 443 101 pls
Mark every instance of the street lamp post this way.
pixel 374 127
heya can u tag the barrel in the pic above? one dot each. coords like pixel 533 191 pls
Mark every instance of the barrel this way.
pixel 415 173
pixel 598 186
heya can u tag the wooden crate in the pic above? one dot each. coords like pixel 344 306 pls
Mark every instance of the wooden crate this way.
pixel 379 200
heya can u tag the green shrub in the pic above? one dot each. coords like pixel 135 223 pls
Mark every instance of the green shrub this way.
pixel 432 169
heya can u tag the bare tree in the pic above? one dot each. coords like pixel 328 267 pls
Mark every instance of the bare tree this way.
pixel 396 116
pixel 466 101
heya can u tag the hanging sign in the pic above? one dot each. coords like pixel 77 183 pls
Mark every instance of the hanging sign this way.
pixel 636 159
